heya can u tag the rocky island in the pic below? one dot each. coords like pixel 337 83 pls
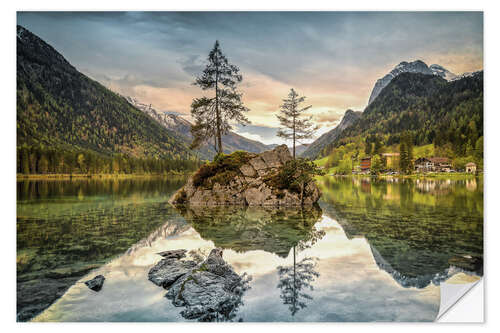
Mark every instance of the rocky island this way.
pixel 271 178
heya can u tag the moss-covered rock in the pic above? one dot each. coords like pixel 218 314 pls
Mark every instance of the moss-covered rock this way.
pixel 271 178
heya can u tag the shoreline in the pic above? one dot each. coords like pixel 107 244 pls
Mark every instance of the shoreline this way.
pixel 96 176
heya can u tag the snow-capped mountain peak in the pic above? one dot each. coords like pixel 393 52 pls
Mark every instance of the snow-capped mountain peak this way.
pixel 417 66
pixel 172 122
pixel 182 128
pixel 466 74
pixel 443 72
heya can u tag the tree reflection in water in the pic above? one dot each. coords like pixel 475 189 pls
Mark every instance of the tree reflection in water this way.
pixel 419 230
pixel 271 229
pixel 295 280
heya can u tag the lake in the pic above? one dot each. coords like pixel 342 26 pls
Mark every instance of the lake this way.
pixel 372 250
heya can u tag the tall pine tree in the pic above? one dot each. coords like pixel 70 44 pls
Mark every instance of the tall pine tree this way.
pixel 213 115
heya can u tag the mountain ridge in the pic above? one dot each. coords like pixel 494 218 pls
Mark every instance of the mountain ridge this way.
pixel 314 149
pixel 182 127
pixel 58 106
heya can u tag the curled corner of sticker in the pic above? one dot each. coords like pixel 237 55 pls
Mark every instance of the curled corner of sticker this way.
pixel 454 289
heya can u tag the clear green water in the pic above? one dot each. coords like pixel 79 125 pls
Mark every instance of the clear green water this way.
pixel 419 227
pixel 67 228
pixel 373 250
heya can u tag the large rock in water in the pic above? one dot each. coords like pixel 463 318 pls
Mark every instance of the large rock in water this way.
pixel 244 179
pixel 167 271
pixel 209 290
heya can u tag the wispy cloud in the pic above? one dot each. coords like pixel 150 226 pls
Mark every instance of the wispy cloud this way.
pixel 333 58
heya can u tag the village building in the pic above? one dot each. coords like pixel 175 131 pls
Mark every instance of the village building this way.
pixel 433 164
pixel 470 167
pixel 423 164
pixel 366 164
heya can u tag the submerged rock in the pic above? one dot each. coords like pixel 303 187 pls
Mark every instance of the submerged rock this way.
pixel 245 178
pixel 241 229
pixel 209 291
pixel 34 296
pixel 176 254
pixel 96 283
pixel 167 271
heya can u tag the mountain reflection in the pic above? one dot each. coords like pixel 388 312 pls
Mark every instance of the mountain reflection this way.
pixel 420 231
pixel 360 255
pixel 66 228
pixel 271 229
pixel 274 230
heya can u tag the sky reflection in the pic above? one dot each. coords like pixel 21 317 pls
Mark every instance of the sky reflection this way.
pixel 350 287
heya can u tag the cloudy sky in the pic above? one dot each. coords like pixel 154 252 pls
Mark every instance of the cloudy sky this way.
pixel 333 58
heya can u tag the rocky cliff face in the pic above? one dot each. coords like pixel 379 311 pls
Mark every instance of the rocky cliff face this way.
pixel 417 66
pixel 245 179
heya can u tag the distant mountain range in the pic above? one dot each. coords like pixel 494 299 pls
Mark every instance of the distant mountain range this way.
pixel 59 107
pixel 170 121
pixel 173 122
pixel 314 149
pixel 299 149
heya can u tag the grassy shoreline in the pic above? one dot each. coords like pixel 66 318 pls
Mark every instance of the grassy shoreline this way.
pixel 441 175
pixel 98 176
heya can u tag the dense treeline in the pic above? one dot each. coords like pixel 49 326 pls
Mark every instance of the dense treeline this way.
pixel 58 106
pixel 36 160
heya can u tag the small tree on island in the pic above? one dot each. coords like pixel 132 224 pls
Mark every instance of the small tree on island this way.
pixel 213 115
pixel 295 127
pixel 295 175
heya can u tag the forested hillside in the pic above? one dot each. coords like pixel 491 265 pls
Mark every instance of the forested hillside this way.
pixel 448 114
pixel 315 149
pixel 60 108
